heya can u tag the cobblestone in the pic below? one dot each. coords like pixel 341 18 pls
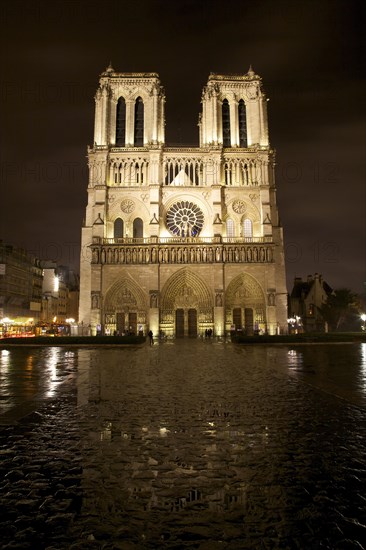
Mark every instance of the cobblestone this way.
pixel 187 445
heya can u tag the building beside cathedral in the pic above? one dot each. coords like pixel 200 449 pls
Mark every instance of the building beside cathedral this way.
pixel 182 239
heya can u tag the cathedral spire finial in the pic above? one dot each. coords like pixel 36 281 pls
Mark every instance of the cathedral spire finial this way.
pixel 250 71
pixel 109 69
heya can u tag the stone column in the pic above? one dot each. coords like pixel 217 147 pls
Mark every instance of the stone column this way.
pixel 154 313
pixel 234 124
pixel 130 122
pixel 112 121
pixel 219 323
pixel 97 119
pixel 264 141
pixel 203 140
pixel 154 133
pixel 104 116
pixel 215 118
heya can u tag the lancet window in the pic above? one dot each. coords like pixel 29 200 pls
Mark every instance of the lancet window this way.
pixel 247 228
pixel 130 172
pixel 245 174
pixel 118 228
pixel 228 173
pixel 243 141
pixel 230 228
pixel 139 123
pixel 183 172
pixel 226 136
pixel 138 228
pixel 242 172
pixel 121 123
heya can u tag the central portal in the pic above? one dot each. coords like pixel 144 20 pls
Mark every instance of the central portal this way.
pixel 186 306
pixel 126 322
pixel 186 323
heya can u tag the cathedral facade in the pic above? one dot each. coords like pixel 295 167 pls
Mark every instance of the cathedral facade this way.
pixel 182 239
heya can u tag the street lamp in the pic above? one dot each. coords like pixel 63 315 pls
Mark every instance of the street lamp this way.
pixel 295 324
pixel 291 322
pixel 363 319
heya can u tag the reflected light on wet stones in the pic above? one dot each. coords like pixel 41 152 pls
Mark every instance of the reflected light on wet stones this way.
pixel 294 359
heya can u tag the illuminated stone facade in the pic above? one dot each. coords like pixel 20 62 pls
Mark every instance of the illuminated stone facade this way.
pixel 181 239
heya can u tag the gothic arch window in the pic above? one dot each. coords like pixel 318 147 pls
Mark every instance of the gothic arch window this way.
pixel 230 228
pixel 121 123
pixel 247 228
pixel 245 174
pixel 139 123
pixel 118 229
pixel 243 141
pixel 138 228
pixel 226 137
pixel 228 174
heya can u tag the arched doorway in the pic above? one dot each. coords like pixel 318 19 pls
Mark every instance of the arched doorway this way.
pixel 245 305
pixel 186 305
pixel 124 308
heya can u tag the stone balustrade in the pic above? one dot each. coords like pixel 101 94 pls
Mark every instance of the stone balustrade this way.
pixel 181 251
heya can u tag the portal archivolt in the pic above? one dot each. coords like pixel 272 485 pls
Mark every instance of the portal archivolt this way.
pixel 186 299
pixel 125 307
pixel 187 289
pixel 245 304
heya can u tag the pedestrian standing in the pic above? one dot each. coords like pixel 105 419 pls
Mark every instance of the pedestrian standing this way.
pixel 151 337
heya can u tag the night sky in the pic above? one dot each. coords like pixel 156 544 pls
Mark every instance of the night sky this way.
pixel 309 54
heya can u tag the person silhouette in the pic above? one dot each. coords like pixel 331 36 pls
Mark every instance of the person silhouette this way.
pixel 151 337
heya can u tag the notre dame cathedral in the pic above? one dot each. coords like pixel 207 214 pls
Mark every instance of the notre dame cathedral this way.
pixel 182 239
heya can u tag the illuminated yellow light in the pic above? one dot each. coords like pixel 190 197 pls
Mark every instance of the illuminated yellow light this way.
pixel 7 320
pixel 56 284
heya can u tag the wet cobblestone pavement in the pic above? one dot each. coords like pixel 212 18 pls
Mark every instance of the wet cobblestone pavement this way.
pixel 188 445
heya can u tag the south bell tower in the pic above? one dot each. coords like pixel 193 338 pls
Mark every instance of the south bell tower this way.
pixel 182 239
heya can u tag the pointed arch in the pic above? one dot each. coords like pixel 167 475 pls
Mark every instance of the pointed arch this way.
pixel 230 228
pixel 186 282
pixel 138 228
pixel 245 291
pixel 121 123
pixel 226 135
pixel 247 228
pixel 243 139
pixel 139 123
pixel 124 293
pixel 118 228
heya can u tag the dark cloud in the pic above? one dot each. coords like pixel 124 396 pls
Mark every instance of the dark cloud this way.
pixel 310 55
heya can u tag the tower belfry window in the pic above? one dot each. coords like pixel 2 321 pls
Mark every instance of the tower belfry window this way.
pixel 226 137
pixel 138 228
pixel 121 123
pixel 139 123
pixel 118 228
pixel 243 140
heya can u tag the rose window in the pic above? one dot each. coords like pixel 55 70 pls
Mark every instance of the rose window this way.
pixel 184 219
